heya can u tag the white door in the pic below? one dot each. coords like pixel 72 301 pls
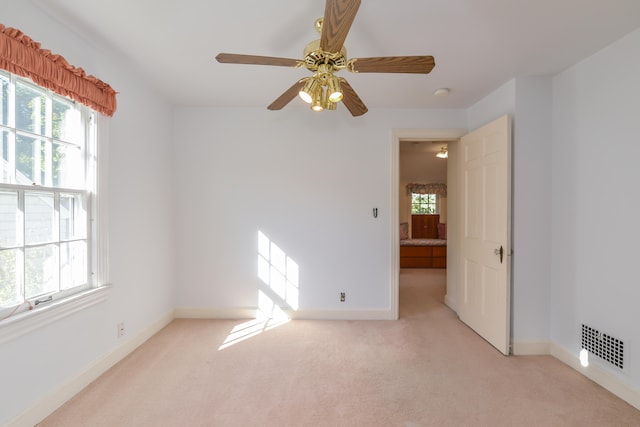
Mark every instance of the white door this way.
pixel 485 231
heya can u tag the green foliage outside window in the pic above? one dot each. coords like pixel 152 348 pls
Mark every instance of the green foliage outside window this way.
pixel 423 204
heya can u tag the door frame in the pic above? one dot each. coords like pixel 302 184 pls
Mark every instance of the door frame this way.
pixel 451 136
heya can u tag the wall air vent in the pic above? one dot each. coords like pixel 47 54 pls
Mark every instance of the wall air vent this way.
pixel 604 346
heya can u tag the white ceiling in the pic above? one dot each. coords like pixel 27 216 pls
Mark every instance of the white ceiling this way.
pixel 477 44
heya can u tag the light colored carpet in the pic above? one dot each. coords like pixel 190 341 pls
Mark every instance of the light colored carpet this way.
pixel 426 369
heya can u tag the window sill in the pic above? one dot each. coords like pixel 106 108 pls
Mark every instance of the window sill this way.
pixel 31 320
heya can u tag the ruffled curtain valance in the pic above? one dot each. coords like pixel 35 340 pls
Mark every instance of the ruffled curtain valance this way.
pixel 20 55
pixel 439 189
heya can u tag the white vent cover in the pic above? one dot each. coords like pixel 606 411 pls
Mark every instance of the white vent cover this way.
pixel 604 346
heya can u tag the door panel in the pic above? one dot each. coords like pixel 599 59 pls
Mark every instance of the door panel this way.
pixel 472 212
pixel 492 218
pixel 485 204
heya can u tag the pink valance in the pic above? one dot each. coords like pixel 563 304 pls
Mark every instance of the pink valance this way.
pixel 20 55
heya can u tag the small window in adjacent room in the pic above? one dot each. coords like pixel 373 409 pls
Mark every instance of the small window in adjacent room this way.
pixel 47 187
pixel 423 204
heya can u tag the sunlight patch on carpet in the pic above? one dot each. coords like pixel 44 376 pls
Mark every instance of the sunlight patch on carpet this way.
pixel 251 328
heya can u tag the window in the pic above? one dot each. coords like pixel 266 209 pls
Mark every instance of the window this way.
pixel 422 204
pixel 47 188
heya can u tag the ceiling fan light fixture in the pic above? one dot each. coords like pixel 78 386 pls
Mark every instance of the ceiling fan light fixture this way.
pixel 328 55
pixel 328 105
pixel 308 91
pixel 318 99
pixel 334 92
pixel 443 153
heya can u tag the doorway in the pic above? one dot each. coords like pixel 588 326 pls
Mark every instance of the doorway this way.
pixel 450 137
pixel 478 289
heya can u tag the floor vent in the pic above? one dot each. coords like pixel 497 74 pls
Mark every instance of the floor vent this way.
pixel 604 346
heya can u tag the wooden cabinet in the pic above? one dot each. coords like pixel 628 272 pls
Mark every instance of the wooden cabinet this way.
pixel 424 226
pixel 423 257
pixel 439 257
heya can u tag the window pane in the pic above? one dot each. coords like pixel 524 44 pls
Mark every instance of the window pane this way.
pixel 8 219
pixel 29 160
pixel 6 171
pixel 73 264
pixel 424 203
pixel 38 218
pixel 68 166
pixel 73 217
pixel 66 217
pixel 40 270
pixel 4 99
pixel 30 109
pixel 67 125
pixel 9 289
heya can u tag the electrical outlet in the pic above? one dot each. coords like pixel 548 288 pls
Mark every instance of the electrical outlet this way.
pixel 343 296
pixel 120 329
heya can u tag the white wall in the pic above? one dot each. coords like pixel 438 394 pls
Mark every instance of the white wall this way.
pixel 496 104
pixel 532 210
pixel 595 228
pixel 308 181
pixel 142 239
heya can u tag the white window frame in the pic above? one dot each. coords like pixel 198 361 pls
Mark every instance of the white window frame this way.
pixel 63 304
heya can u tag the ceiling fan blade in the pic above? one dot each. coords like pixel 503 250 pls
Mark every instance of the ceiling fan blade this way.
pixel 287 96
pixel 338 17
pixel 351 100
pixel 234 58
pixel 393 64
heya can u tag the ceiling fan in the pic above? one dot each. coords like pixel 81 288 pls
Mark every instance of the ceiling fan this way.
pixel 328 55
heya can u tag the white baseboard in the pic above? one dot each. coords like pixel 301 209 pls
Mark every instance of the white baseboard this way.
pixel 450 302
pixel 40 410
pixel 215 313
pixel 599 375
pixel 531 348
pixel 342 315
pixel 250 313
